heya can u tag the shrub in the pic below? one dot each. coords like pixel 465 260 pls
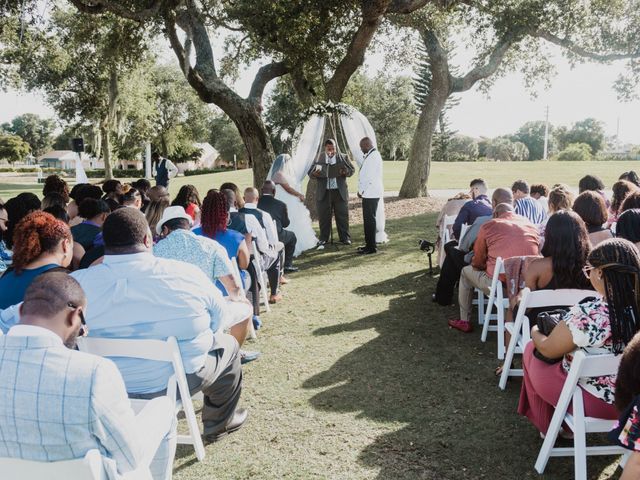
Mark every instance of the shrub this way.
pixel 203 171
pixel 576 152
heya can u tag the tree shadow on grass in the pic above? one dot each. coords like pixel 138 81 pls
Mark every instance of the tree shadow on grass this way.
pixel 438 386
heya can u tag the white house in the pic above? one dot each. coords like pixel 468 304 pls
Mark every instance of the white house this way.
pixel 66 160
pixel 207 159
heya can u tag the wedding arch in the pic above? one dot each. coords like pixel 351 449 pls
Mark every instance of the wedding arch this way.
pixel 347 126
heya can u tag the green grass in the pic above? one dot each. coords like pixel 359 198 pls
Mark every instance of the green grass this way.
pixel 360 378
pixel 443 175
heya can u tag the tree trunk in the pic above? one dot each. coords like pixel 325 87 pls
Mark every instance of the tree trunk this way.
pixel 417 174
pixel 256 140
pixel 106 151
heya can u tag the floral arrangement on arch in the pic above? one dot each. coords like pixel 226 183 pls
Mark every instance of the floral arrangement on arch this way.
pixel 326 108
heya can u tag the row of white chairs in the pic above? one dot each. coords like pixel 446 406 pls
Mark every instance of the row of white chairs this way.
pixel 582 366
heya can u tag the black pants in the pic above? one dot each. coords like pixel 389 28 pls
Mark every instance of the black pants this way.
pixel 289 239
pixel 333 201
pixel 273 273
pixel 369 209
pixel 449 273
pixel 254 291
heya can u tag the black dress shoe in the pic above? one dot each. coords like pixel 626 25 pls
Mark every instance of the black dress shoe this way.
pixel 291 269
pixel 367 251
pixel 362 248
pixel 346 242
pixel 239 418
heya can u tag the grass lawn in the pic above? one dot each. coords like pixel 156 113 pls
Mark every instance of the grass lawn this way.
pixel 361 379
pixel 443 175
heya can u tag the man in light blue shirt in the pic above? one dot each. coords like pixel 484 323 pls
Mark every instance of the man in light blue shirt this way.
pixel 59 403
pixel 180 243
pixel 133 294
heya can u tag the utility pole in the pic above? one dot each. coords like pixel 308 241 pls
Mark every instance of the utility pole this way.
pixel 546 134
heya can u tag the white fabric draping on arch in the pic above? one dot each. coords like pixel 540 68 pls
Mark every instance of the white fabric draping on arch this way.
pixel 355 128
pixel 308 143
pixel 81 175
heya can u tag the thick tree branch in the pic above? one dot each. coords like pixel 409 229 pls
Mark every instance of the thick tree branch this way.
pixel 583 52
pixel 119 8
pixel 373 12
pixel 264 76
pixel 485 70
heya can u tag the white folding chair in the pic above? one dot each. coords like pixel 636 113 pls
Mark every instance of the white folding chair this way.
pixel 87 468
pixel 160 351
pixel 582 366
pixel 520 329
pixel 497 300
pixel 238 277
pixel 262 277
pixel 445 235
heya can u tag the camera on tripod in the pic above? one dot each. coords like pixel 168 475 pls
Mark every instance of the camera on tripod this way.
pixel 429 247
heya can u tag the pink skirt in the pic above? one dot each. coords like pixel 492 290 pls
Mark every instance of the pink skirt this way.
pixel 541 388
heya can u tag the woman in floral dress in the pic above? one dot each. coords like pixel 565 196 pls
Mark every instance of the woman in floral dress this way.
pixel 604 325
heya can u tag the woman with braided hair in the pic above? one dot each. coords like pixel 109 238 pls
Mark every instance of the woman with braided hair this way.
pixel 41 243
pixel 605 324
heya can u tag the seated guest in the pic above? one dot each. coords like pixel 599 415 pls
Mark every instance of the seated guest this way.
pixel 506 235
pixel 17 208
pixel 560 198
pixel 632 177
pixel 250 209
pixel 233 187
pixel 132 198
pixel 84 404
pixel 180 243
pixel 621 190
pixel 57 185
pixel 113 190
pixel 626 432
pixel 591 183
pixel 42 243
pixel 451 209
pixel 540 193
pixel 158 192
pixel 5 253
pixel 606 323
pixel 95 212
pixel 628 226
pixel 143 186
pixel 632 201
pixel 525 205
pixel 479 206
pixel 53 200
pixel 564 254
pixel 460 255
pixel 133 294
pixel 279 212
pixel 592 209
pixel 61 214
pixel 78 194
pixel 189 199
pixel 154 212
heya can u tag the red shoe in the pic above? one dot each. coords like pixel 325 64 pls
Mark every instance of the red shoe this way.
pixel 461 325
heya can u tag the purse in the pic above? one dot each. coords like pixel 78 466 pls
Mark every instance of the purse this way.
pixel 546 322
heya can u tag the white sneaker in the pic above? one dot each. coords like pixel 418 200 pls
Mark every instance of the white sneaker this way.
pixel 320 245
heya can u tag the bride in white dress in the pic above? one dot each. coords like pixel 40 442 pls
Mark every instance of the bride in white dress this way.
pixel 288 190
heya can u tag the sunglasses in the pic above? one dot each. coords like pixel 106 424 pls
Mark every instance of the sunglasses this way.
pixel 587 270
pixel 83 329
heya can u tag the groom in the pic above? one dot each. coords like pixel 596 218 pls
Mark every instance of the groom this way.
pixel 331 170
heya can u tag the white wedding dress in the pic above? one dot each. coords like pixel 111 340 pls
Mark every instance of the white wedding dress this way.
pixel 298 214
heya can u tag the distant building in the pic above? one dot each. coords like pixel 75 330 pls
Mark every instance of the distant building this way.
pixel 66 160
pixel 208 159
pixel 136 164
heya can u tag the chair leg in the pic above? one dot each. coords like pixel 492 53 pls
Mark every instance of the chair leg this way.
pixel 487 316
pixel 500 310
pixel 579 437
pixel 480 308
pixel 506 366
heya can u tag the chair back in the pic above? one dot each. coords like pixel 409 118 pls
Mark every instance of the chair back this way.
pixel 87 468
pixel 552 298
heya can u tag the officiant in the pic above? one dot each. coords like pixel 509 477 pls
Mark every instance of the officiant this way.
pixel 331 170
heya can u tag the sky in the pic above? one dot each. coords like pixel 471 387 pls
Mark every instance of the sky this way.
pixel 575 94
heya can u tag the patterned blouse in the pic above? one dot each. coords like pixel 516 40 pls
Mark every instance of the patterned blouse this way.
pixel 626 432
pixel 591 331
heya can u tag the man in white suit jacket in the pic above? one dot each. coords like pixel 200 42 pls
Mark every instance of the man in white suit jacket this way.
pixel 371 190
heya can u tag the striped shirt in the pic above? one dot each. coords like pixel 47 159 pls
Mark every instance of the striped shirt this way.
pixel 531 209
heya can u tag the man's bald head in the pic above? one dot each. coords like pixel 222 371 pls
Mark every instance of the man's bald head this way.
pixel 366 144
pixel 268 188
pixel 251 195
pixel 501 195
pixel 501 209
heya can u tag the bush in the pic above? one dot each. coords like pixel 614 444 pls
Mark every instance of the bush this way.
pixel 203 171
pixel 117 173
pixel 575 152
